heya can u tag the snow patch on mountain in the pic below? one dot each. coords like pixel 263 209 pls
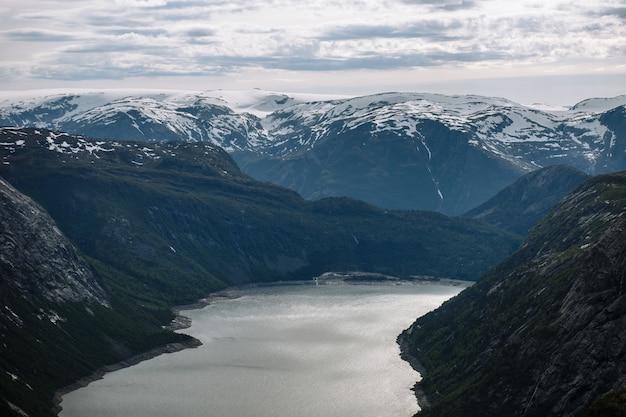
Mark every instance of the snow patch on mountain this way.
pixel 279 124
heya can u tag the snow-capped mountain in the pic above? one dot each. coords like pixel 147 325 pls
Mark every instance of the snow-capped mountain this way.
pixel 447 153
pixel 145 116
pixel 396 150
pixel 502 127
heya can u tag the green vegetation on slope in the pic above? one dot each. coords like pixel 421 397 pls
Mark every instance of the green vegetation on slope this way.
pixel 190 222
pixel 542 333
pixel 522 204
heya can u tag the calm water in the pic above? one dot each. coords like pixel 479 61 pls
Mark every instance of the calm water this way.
pixel 280 351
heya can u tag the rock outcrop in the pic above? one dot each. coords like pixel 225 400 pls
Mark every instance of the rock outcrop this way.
pixel 36 258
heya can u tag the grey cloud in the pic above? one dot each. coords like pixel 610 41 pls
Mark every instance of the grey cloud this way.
pixel 194 5
pixel 258 30
pixel 38 35
pixel 119 44
pixel 613 11
pixel 449 5
pixel 200 32
pixel 167 64
pixel 376 62
pixel 147 32
pixel 102 72
pixel 461 5
pixel 181 4
pixel 104 21
pixel 432 30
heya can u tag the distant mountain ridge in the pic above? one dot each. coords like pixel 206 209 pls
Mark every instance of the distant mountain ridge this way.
pixel 522 204
pixel 394 150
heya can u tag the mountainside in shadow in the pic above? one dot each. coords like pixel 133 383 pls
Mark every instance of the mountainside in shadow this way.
pixel 522 204
pixel 407 151
pixel 156 225
pixel 434 168
pixel 57 322
pixel 162 209
pixel 50 266
pixel 542 334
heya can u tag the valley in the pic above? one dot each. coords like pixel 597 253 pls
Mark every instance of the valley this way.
pixel 119 205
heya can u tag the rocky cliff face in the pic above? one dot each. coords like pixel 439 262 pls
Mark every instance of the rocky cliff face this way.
pixel 544 332
pixel 36 259
pixel 43 278
pixel 57 323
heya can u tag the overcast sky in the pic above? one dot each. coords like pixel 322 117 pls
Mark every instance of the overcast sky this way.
pixel 550 51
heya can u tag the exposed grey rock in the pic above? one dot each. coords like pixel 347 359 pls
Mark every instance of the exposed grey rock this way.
pixel 36 259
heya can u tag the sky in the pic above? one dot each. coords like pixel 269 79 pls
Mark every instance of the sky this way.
pixel 530 51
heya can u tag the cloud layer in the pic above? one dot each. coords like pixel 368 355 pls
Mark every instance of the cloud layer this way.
pixel 120 39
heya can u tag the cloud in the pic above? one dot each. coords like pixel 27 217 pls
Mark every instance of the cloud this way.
pixel 145 38
pixel 38 35
pixel 199 32
pixel 448 5
pixel 431 30
pixel 618 11
pixel 141 3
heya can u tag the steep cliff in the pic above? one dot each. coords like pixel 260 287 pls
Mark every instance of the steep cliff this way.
pixel 36 259
pixel 57 321
pixel 544 332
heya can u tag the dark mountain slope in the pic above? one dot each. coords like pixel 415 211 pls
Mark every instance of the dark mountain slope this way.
pixel 31 239
pixel 544 332
pixel 522 204
pixel 182 219
pixel 57 323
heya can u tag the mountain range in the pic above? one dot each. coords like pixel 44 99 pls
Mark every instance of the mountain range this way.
pixel 101 237
pixel 394 150
pixel 124 231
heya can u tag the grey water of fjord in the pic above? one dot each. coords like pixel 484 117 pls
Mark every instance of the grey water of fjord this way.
pixel 278 351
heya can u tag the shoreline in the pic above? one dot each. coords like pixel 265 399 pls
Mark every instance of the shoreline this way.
pixel 405 353
pixel 421 397
pixel 180 322
pixel 133 360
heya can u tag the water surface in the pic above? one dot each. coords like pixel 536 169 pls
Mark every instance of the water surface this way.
pixel 279 351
